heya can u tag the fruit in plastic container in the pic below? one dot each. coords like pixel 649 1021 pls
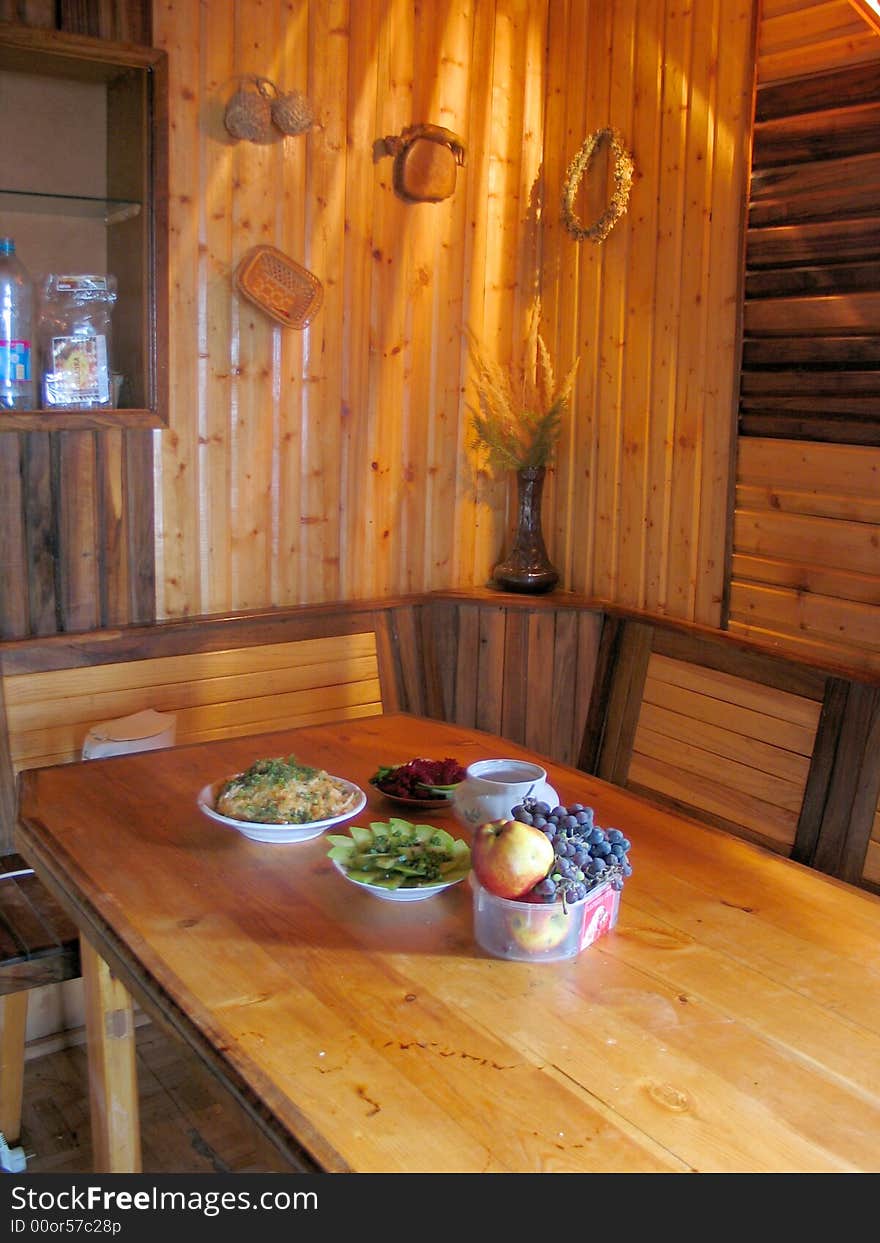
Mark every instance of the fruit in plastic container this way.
pixel 508 857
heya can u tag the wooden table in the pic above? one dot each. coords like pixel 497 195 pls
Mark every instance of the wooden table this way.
pixel 731 1021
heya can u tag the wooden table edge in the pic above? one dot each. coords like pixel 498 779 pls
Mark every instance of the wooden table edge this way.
pixel 155 1002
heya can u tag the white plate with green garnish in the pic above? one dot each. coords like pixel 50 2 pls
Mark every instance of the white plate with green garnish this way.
pixel 399 861
pixel 282 800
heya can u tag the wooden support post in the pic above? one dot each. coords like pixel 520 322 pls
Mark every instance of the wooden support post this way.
pixel 843 785
pixel 12 1037
pixel 113 1091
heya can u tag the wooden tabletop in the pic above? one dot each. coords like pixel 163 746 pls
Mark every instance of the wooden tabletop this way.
pixel 730 1022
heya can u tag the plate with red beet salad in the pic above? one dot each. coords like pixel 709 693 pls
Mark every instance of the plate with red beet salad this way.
pixel 419 782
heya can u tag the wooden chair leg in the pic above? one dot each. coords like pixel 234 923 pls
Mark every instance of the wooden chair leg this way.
pixel 12 1038
pixel 113 1090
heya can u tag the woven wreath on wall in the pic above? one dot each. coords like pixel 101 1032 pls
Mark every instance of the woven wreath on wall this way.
pixel 623 176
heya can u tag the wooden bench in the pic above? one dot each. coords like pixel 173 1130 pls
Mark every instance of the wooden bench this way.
pixel 780 751
pixel 222 676
pixel 39 945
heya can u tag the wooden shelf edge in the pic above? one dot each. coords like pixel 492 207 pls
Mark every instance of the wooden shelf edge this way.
pixel 77 420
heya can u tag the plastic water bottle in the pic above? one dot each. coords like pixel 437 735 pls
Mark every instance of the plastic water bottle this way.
pixel 17 387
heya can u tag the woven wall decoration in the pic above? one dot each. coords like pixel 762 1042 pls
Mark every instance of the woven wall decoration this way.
pixel 623 175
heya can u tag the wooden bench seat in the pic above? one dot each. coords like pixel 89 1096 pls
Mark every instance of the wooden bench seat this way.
pixel 39 945
pixel 223 677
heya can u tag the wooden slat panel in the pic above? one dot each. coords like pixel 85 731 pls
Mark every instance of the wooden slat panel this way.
pixel 847 624
pixel 855 85
pixel 515 704
pixel 539 717
pixel 706 795
pixel 817 467
pixel 748 722
pixel 709 766
pixel 804 577
pixel 855 313
pixel 490 677
pixel 564 738
pixel 212 694
pixel 847 545
pixel 848 506
pixel 813 241
pixel 817 135
pixel 758 753
pixel 467 669
pixel 727 689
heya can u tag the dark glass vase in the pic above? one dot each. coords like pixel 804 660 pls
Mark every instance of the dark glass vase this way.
pixel 527 568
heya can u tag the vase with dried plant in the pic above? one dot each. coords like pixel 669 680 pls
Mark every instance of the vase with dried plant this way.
pixel 516 425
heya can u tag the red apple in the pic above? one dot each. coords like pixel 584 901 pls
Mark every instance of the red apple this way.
pixel 509 857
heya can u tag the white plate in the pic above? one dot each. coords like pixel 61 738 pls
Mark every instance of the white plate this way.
pixel 280 832
pixel 415 894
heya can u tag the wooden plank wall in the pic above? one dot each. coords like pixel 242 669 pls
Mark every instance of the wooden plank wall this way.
pixel 335 464
pixel 805 567
pixel 639 503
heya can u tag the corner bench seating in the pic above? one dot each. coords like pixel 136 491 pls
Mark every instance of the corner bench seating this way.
pixel 782 750
pixel 222 676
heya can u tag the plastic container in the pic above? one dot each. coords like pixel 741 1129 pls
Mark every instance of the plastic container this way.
pixel 17 384
pixel 542 932
pixel 74 330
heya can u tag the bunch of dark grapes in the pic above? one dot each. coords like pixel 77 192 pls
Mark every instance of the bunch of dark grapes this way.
pixel 586 855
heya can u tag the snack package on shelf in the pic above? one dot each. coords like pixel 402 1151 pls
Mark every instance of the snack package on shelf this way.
pixel 74 338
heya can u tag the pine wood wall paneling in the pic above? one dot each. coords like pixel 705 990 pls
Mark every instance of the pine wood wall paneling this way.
pixel 639 501
pixel 298 429
pixel 445 458
pixel 181 548
pixel 210 59
pixel 358 264
pixel 639 369
pixel 324 227
pixel 257 170
pixel 564 128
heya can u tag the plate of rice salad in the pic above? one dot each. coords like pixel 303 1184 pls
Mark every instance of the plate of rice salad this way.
pixel 280 799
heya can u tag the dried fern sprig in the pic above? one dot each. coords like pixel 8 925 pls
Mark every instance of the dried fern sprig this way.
pixel 515 430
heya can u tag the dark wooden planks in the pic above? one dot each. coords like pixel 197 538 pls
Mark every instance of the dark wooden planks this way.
pixel 844 783
pixel 617 698
pixel 812 261
pixel 39 944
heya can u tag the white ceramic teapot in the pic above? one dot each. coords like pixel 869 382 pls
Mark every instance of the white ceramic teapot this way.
pixel 492 788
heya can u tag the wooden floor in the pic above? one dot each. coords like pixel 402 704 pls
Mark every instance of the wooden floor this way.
pixel 189 1125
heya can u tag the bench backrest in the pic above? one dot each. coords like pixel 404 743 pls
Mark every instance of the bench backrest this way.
pixel 222 676
pixel 771 749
